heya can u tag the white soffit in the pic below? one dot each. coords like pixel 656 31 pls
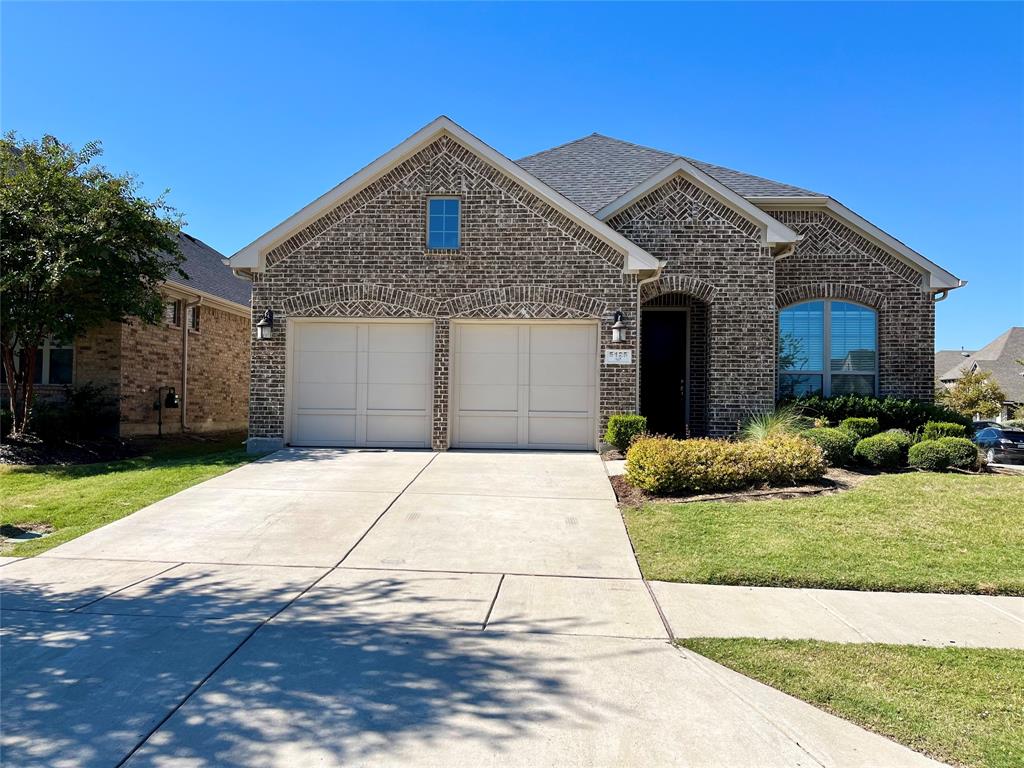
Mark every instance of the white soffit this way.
pixel 938 278
pixel 772 232
pixel 251 257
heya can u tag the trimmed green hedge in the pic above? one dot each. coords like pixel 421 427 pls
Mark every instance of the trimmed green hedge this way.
pixel 929 455
pixel 837 444
pixel 886 450
pixel 891 412
pixel 933 430
pixel 963 454
pixel 661 465
pixel 623 428
pixel 861 426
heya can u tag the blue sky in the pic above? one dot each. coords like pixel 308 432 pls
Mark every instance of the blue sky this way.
pixel 912 115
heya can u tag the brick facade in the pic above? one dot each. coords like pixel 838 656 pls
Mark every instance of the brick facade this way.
pixel 519 258
pixel 833 261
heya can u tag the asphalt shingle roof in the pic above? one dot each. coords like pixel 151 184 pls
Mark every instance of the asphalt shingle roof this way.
pixel 999 356
pixel 595 170
pixel 950 360
pixel 206 272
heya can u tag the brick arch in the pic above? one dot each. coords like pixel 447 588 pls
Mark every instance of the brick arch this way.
pixel 692 286
pixel 841 291
pixel 367 299
pixel 526 301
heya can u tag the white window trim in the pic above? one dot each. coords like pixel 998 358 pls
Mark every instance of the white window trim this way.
pixel 826 372
pixel 457 199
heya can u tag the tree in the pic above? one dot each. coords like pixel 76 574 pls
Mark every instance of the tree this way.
pixel 79 246
pixel 975 393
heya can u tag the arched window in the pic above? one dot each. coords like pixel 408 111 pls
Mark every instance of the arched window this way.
pixel 828 347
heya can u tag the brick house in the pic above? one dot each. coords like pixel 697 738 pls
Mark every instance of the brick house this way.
pixel 999 357
pixel 200 348
pixel 446 296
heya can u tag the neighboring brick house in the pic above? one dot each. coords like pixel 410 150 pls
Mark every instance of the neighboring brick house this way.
pixel 1003 357
pixel 200 348
pixel 446 296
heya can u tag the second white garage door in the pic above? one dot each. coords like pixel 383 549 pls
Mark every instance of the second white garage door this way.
pixel 361 384
pixel 524 385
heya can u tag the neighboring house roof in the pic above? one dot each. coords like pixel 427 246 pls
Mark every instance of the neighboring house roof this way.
pixel 207 273
pixel 596 170
pixel 950 359
pixel 252 256
pixel 1000 357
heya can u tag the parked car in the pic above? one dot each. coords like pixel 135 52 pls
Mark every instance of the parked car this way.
pixel 1001 446
pixel 980 424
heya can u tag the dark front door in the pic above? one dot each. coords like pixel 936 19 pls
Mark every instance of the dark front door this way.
pixel 663 371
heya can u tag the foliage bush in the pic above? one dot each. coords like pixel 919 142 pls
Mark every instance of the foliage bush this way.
pixel 963 454
pixel 933 430
pixel 929 455
pixel 886 450
pixel 623 428
pixel 84 412
pixel 782 420
pixel 1014 423
pixel 836 444
pixel 862 426
pixel 890 411
pixel 661 465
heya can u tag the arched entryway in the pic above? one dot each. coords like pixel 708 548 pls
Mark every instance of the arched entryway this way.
pixel 674 363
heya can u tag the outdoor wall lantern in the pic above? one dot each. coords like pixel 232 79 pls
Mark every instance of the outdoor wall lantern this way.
pixel 618 328
pixel 265 327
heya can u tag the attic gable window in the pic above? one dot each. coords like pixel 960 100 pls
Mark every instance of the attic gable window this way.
pixel 443 223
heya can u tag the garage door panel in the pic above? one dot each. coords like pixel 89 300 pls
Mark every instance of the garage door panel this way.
pixel 561 339
pixel 561 399
pixel 488 339
pixel 491 431
pixel 525 385
pixel 559 432
pixel 489 398
pixel 326 429
pixel 380 373
pixel 394 430
pixel 397 397
pixel 319 396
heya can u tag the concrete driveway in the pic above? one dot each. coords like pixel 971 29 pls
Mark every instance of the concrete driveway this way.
pixel 379 608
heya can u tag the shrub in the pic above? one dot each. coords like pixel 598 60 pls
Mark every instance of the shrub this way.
pixel 783 420
pixel 963 454
pixel 783 460
pixel 1014 423
pixel 623 428
pixel 653 464
pixel 890 411
pixel 886 450
pixel 836 444
pixel 930 455
pixel 861 426
pixel 661 465
pixel 84 412
pixel 933 430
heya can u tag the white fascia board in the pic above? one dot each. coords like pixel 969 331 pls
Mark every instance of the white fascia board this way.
pixel 179 291
pixel 938 278
pixel 251 257
pixel 772 232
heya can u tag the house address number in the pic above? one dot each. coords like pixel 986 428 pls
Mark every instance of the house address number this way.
pixel 618 356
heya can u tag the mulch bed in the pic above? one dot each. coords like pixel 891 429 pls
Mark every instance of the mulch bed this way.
pixel 31 451
pixel 835 481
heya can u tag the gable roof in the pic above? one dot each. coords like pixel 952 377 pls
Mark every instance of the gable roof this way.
pixel 596 170
pixel 251 257
pixel 1000 357
pixel 950 360
pixel 207 272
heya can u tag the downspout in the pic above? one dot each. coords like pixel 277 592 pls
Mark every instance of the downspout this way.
pixel 639 289
pixel 184 359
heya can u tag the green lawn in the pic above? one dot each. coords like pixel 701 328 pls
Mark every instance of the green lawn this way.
pixel 960 705
pixel 921 532
pixel 77 499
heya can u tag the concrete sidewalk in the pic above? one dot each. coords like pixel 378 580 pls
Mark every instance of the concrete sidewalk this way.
pixel 968 621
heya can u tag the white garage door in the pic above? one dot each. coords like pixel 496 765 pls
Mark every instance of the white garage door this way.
pixel 361 384
pixel 524 385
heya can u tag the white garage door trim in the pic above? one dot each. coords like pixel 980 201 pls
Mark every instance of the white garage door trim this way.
pixel 524 426
pixel 370 422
